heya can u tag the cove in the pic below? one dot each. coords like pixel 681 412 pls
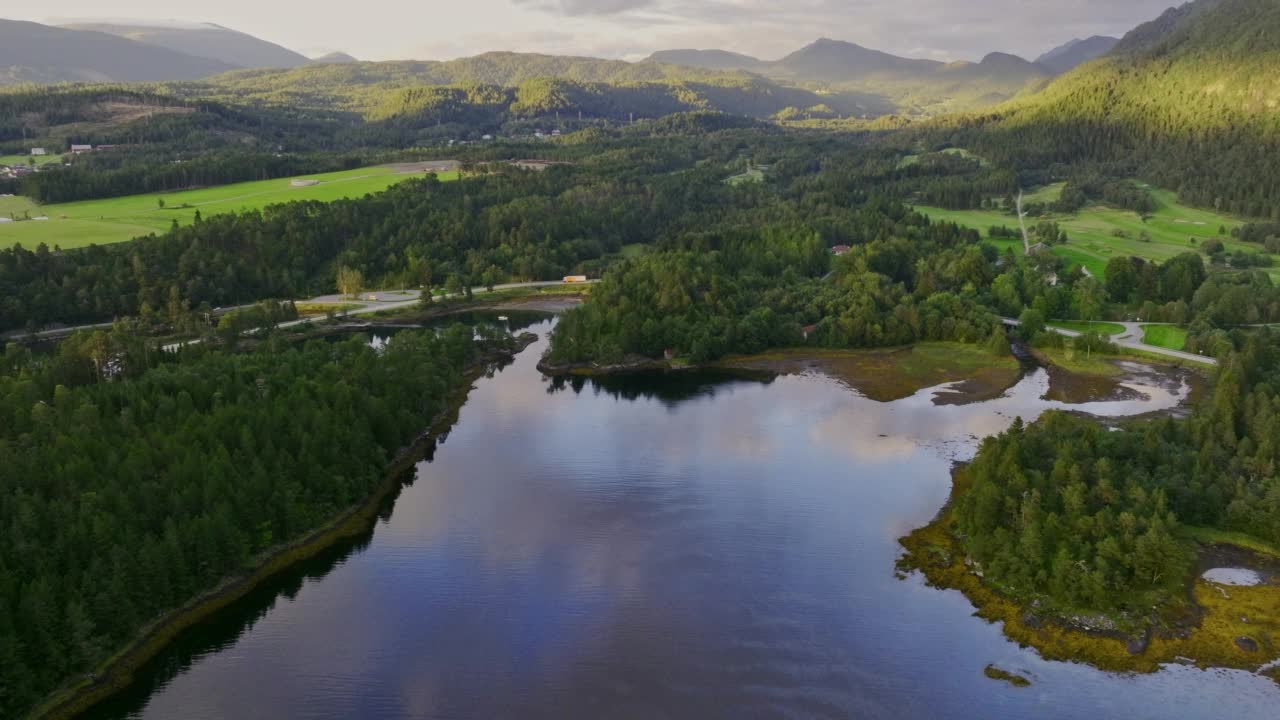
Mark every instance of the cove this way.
pixel 696 545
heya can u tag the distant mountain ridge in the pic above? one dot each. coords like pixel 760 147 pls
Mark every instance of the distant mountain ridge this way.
pixel 206 40
pixel 913 84
pixel 35 53
pixel 1077 52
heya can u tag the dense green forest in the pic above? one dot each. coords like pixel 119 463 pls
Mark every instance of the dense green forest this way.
pixel 747 289
pixel 130 483
pixel 1071 513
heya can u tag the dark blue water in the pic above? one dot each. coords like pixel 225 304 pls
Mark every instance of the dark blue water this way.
pixel 697 547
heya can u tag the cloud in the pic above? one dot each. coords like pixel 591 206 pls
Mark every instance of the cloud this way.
pixel 588 7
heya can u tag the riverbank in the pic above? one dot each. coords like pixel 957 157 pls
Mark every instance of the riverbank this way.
pixel 117 672
pixel 882 374
pixel 1228 627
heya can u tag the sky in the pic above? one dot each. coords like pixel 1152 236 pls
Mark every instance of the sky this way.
pixel 631 29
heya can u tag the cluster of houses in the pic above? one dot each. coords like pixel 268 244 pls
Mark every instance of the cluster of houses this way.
pixel 19 170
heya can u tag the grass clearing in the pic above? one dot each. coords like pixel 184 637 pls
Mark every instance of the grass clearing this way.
pixel 1104 328
pixel 1098 233
pixel 1165 336
pixel 1212 536
pixel 16 205
pixel 887 375
pixel 1082 363
pixel 113 220
pixel 754 175
pixel 12 160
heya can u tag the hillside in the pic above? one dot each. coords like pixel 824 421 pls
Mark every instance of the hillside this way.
pixel 523 85
pixel 1076 53
pixel 335 58
pixel 908 85
pixel 1188 101
pixel 35 53
pixel 205 40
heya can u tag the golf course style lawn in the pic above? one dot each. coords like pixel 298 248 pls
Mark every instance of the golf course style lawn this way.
pixel 1172 229
pixel 1165 336
pixel 1102 328
pixel 78 224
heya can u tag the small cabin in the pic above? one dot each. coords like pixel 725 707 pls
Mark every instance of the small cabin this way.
pixel 840 250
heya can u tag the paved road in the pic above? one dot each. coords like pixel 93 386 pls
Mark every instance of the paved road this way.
pixel 1132 338
pixel 385 300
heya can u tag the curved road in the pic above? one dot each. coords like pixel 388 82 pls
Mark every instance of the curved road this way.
pixel 1132 338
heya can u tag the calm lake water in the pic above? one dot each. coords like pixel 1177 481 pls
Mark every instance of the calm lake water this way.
pixel 691 547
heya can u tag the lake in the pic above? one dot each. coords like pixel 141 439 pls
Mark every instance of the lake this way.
pixel 686 546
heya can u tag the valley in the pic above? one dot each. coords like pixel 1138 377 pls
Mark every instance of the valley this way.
pixel 528 367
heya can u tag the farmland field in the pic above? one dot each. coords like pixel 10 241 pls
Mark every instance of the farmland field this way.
pixel 78 224
pixel 1093 232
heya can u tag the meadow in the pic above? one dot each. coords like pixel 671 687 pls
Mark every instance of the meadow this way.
pixel 100 222
pixel 26 159
pixel 1095 232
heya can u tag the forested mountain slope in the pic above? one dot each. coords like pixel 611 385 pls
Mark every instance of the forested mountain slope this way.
pixel 1190 101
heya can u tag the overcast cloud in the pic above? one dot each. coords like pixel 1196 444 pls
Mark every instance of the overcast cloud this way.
pixel 630 29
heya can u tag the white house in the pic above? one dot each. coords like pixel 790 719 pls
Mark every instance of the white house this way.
pixel 37 152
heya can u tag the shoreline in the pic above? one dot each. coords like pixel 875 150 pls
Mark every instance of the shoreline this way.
pixel 1206 635
pixel 117 672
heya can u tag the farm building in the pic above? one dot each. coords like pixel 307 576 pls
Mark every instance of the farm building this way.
pixel 79 149
pixel 38 152
pixel 304 183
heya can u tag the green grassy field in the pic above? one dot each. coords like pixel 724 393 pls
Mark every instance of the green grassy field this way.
pixel 754 175
pixel 25 159
pixel 72 225
pixel 1165 336
pixel 910 160
pixel 1173 229
pixel 1098 327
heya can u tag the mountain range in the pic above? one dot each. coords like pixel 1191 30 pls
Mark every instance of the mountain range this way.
pixel 869 82
pixel 914 84
pixel 122 52
pixel 204 40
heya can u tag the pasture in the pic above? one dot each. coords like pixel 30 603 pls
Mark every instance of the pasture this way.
pixel 12 160
pixel 1099 233
pixel 113 220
